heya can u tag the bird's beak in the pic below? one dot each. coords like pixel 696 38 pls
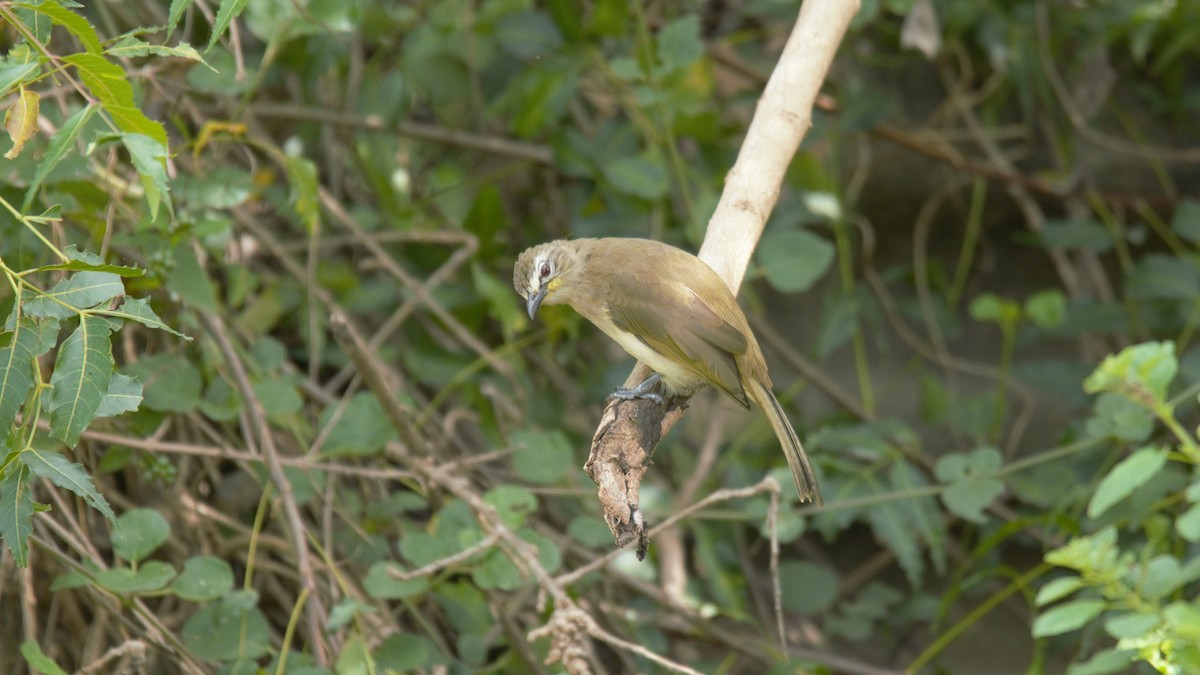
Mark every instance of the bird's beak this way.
pixel 535 300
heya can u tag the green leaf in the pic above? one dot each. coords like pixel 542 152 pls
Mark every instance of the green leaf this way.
pixel 302 178
pixel 80 380
pixel 589 531
pixel 1072 235
pixel 642 176
pixel 149 157
pixel 38 661
pixel 1186 220
pixel 67 475
pixel 841 314
pixel 972 485
pixel 497 572
pixel 679 44
pixel 1047 309
pixel 224 631
pixel 62 143
pixel 189 280
pixel 502 302
pixel 1187 525
pixel 1058 589
pixel 83 266
pixel 152 576
pixel 124 395
pixel 1118 416
pixel 991 308
pixel 138 533
pixel 354 658
pixel 1141 373
pixel 75 293
pixel 230 10
pixel 130 46
pixel 74 23
pixel 403 652
pixel 107 82
pixel 361 430
pixel 528 34
pixel 13 75
pixel 1067 617
pixel 1096 554
pixel 1131 624
pixel 175 13
pixel 203 578
pixel 793 259
pixel 911 529
pixel 1128 475
pixel 381 583
pixel 16 512
pixel 808 587
pixel 1158 276
pixel 171 383
pixel 1105 661
pixel 542 456
pixel 279 396
pixel 16 369
pixel 139 310
pixel 512 503
pixel 345 611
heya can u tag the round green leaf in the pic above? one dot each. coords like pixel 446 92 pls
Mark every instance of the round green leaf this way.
pixel 139 533
pixel 640 176
pixel 361 430
pixel 808 588
pixel 512 503
pixel 223 633
pixel 204 578
pixel 1047 309
pixel 541 457
pixel 152 576
pixel 590 531
pixel 1188 524
pixel 679 43
pixel 1186 220
pixel 527 34
pixel 793 259
pixel 382 584
pixel 402 653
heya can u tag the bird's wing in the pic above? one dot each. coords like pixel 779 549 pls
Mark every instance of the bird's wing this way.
pixel 676 322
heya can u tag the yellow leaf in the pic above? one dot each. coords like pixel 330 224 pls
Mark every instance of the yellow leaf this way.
pixel 21 121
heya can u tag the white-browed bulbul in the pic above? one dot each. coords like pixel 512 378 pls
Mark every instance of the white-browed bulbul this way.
pixel 670 311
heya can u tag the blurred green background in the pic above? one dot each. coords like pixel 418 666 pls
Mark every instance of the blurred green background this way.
pixel 994 196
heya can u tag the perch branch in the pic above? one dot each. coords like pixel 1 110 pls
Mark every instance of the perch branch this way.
pixel 630 430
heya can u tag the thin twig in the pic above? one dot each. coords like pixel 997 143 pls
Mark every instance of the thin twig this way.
pixel 257 419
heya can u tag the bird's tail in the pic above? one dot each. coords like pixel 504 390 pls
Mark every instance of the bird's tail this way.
pixel 802 471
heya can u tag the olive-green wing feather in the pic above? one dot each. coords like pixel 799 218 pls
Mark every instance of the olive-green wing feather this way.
pixel 677 323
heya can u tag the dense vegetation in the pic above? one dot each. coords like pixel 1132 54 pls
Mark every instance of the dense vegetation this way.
pixel 273 402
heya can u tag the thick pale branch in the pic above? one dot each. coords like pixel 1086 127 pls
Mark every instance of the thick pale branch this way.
pixel 630 430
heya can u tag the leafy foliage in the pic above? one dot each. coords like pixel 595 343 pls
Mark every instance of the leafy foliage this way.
pixel 944 266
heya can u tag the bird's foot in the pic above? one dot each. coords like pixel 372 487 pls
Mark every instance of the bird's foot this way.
pixel 645 390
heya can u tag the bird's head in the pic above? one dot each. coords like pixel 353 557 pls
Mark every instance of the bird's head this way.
pixel 545 274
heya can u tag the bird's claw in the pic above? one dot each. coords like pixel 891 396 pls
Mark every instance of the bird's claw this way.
pixel 644 389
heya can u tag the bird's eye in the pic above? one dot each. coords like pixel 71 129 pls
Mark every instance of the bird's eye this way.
pixel 544 271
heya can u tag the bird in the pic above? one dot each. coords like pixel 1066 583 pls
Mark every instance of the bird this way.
pixel 669 310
